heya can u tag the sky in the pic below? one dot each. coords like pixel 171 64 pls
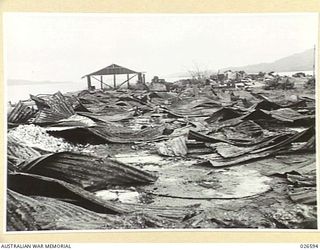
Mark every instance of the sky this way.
pixel 64 47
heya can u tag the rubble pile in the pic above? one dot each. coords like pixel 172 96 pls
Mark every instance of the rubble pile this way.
pixel 194 156
pixel 37 137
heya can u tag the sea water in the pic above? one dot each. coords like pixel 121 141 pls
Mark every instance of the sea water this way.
pixel 16 92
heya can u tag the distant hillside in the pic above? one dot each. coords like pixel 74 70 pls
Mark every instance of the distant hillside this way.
pixel 297 62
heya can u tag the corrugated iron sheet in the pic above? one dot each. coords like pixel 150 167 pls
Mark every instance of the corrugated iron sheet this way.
pixel 88 172
pixel 279 144
pixel 266 105
pixel 111 134
pixel 42 213
pixel 19 153
pixel 303 180
pixel 21 113
pixel 19 215
pixel 304 195
pixel 109 117
pixel 173 147
pixel 53 109
pixel 31 184
pixel 288 115
pixel 224 114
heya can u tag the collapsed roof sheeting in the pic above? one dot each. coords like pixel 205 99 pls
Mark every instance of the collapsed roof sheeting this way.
pixel 19 215
pixel 86 171
pixel 53 109
pixel 288 115
pixel 19 153
pixel 36 185
pixel 304 195
pixel 43 213
pixel 224 113
pixel 31 184
pixel 111 134
pixel 21 113
pixel 265 149
pixel 173 147
pixel 109 117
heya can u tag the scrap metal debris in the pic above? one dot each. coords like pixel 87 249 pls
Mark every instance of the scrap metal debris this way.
pixel 20 114
pixel 218 153
pixel 86 171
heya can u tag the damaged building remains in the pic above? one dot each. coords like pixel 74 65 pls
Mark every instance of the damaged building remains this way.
pixel 233 150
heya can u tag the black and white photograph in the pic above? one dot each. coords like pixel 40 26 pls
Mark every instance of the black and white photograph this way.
pixel 160 121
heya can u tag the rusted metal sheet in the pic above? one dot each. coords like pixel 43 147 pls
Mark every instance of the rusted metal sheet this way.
pixel 19 215
pixel 274 146
pixel 173 147
pixel 42 213
pixel 285 165
pixel 249 128
pixel 53 109
pixel 304 195
pixel 266 105
pixel 74 121
pixel 304 187
pixel 88 172
pixel 288 115
pixel 194 135
pixel 31 184
pixel 107 117
pixel 19 153
pixel 303 180
pixel 110 133
pixel 76 104
pixel 144 135
pixel 224 114
pixel 21 113
pixel 240 132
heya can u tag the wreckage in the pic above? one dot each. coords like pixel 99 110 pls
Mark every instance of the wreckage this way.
pixel 186 161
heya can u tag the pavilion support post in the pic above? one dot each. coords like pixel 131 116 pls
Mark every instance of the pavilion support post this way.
pixel 114 82
pixel 101 82
pixel 89 82
pixel 128 79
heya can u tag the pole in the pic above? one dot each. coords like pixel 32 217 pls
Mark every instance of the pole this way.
pixel 101 82
pixel 89 82
pixel 114 82
pixel 128 80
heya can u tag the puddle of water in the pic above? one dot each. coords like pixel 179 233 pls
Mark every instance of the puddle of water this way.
pixel 143 160
pixel 125 196
pixel 236 182
pixel 239 182
pixel 151 162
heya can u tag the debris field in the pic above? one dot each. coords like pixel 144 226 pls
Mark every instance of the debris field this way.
pixel 141 159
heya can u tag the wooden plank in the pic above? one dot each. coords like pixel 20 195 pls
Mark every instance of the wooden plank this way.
pixel 89 82
pixel 128 80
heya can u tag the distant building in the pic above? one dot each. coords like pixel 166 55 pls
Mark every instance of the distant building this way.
pixel 114 70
